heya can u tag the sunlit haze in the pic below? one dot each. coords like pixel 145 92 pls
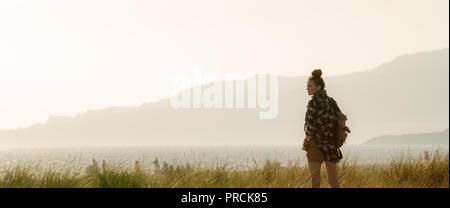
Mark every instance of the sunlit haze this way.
pixel 63 57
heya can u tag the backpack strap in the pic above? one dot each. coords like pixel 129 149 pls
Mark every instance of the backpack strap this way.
pixel 339 153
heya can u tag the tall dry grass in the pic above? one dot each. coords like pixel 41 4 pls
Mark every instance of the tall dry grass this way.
pixel 404 172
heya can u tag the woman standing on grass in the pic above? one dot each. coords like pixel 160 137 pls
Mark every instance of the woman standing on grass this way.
pixel 320 143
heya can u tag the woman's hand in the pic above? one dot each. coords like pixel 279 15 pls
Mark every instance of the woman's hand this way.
pixel 308 138
pixel 306 143
pixel 304 148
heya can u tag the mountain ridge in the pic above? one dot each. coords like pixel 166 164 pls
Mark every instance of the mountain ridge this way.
pixel 429 138
pixel 384 100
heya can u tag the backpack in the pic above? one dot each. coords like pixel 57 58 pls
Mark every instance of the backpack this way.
pixel 342 129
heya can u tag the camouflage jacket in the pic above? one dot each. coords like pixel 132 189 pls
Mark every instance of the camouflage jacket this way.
pixel 320 124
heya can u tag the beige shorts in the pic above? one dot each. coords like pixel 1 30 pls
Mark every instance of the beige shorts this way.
pixel 314 154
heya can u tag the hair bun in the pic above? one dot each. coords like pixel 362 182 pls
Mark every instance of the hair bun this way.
pixel 316 73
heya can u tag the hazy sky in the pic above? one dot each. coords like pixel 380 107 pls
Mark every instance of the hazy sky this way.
pixel 62 57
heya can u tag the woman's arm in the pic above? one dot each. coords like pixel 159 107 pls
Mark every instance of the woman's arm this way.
pixel 310 120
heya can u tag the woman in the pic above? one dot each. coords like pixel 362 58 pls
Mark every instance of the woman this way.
pixel 320 143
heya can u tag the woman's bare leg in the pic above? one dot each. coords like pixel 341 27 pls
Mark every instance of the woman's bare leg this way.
pixel 314 171
pixel 332 174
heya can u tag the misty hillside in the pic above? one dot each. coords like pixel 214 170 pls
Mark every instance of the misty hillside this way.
pixel 435 138
pixel 406 95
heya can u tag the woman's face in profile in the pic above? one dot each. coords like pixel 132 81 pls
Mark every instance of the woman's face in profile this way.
pixel 312 87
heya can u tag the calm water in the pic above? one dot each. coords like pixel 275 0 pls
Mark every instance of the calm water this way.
pixel 204 156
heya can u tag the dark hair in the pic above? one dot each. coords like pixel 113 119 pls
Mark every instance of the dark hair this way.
pixel 317 78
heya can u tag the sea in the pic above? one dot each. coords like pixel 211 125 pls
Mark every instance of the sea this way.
pixel 238 157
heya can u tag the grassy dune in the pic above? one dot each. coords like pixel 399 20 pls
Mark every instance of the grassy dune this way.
pixel 401 173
